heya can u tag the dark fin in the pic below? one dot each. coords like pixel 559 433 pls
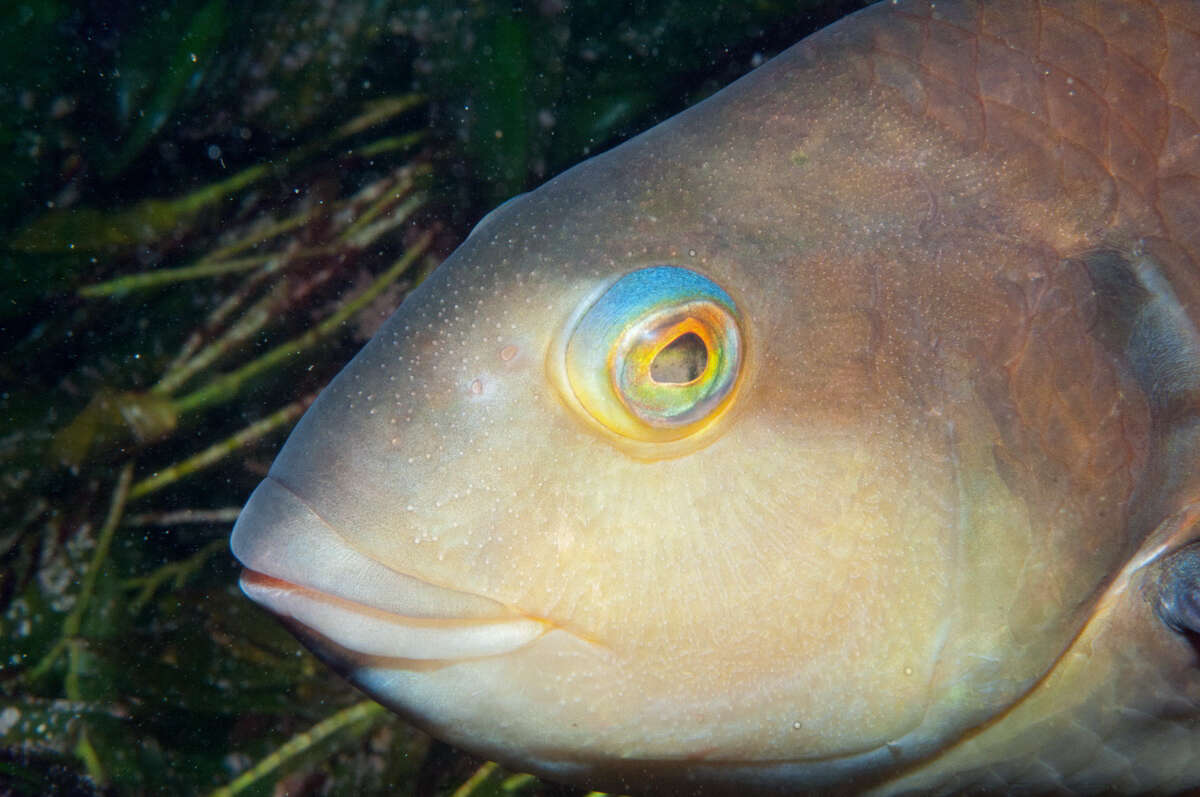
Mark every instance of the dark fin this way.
pixel 1175 593
pixel 1139 316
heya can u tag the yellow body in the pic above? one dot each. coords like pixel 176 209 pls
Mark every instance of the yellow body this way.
pixel 913 547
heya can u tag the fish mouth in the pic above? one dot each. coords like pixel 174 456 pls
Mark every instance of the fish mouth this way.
pixel 374 632
pixel 300 567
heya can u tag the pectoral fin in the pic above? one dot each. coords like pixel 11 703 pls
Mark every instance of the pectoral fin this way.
pixel 1175 593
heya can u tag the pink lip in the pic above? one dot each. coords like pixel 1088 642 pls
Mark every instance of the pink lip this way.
pixel 375 632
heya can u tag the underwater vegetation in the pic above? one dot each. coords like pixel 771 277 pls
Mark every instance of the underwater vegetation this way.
pixel 207 207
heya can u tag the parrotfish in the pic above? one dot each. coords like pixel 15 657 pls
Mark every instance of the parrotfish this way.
pixel 839 433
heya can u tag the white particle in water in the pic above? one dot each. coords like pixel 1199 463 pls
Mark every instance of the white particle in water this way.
pixel 9 717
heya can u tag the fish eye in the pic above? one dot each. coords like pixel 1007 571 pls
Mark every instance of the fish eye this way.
pixel 657 355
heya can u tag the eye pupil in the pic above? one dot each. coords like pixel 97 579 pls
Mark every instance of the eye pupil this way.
pixel 681 361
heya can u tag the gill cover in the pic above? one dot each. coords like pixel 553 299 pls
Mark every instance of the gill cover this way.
pixel 657 356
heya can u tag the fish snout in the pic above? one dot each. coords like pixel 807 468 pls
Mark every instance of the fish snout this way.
pixel 301 568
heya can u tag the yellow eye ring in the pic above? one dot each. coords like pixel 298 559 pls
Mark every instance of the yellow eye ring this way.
pixel 656 357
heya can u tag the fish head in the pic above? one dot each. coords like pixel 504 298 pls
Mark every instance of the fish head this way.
pixel 752 450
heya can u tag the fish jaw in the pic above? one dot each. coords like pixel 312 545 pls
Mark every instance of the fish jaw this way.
pixel 488 675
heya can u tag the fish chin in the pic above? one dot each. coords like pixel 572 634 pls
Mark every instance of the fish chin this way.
pixel 483 705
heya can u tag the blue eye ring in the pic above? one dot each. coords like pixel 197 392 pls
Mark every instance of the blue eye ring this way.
pixel 658 313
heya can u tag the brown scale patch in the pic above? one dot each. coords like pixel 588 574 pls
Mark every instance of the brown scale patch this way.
pixel 1074 428
pixel 1096 102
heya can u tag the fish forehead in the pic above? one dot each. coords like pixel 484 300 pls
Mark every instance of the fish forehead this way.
pixel 931 456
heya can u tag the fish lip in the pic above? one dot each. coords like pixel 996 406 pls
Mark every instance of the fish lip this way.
pixel 302 567
pixel 378 633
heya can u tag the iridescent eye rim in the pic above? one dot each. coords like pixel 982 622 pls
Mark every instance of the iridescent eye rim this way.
pixel 673 404
pixel 612 349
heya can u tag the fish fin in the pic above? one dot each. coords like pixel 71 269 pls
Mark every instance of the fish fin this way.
pixel 1175 593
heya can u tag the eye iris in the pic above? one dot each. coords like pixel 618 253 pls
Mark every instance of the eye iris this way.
pixel 702 328
pixel 657 354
